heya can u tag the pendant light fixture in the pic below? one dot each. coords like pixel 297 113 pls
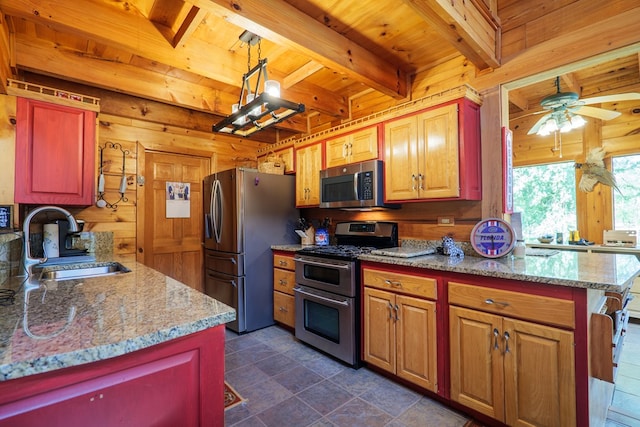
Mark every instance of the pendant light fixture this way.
pixel 256 111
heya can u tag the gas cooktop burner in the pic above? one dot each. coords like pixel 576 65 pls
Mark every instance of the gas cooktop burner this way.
pixel 339 250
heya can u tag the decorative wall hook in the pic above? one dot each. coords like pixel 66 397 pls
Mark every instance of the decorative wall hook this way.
pixel 101 202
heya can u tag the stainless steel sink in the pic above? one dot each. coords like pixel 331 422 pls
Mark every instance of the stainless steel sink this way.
pixel 83 271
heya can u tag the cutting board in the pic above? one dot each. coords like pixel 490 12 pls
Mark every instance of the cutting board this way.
pixel 403 252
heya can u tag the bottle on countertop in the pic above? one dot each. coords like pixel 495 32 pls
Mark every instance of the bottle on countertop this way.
pixel 519 250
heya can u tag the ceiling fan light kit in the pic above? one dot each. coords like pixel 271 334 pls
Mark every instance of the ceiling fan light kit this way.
pixel 254 112
pixel 563 111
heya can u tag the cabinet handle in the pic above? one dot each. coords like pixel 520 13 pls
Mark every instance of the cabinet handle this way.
pixel 345 150
pixel 350 149
pixel 390 311
pixel 392 283
pixel 283 282
pixel 420 176
pixel 413 182
pixel 284 263
pixel 506 339
pixel 491 301
pixel 397 309
pixel 283 309
pixel 496 334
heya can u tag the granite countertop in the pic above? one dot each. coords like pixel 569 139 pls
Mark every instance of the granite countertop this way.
pixel 605 271
pixel 73 322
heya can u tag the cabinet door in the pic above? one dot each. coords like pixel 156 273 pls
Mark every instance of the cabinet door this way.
pixel 363 145
pixel 309 163
pixel 539 375
pixel 401 159
pixel 55 154
pixel 438 155
pixel 284 306
pixel 379 329
pixel 352 148
pixel 337 151
pixel 416 342
pixel 477 378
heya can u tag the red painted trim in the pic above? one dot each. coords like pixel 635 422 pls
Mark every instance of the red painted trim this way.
pixel 581 352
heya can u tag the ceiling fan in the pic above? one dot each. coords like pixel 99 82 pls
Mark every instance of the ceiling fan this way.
pixel 564 110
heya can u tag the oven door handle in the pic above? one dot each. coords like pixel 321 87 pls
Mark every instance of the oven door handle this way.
pixel 322 264
pixel 332 301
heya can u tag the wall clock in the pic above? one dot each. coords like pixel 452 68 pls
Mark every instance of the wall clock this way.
pixel 493 238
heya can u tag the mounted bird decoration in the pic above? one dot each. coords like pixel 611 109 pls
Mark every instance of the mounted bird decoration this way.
pixel 593 172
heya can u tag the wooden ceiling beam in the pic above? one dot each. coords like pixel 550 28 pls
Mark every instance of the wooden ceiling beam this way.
pixel 283 24
pixel 127 29
pixel 471 29
pixel 571 83
pixel 301 73
pixel 62 63
pixel 189 25
pixel 518 99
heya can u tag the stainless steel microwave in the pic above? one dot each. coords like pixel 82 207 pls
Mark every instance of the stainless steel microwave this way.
pixel 358 186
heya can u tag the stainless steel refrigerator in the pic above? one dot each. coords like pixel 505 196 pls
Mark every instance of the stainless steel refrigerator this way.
pixel 245 213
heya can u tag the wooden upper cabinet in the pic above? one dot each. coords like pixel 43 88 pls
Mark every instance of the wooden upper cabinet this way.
pixel 434 154
pixel 55 154
pixel 352 148
pixel 308 166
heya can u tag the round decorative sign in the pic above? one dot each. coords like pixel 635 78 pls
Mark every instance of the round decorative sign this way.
pixel 493 238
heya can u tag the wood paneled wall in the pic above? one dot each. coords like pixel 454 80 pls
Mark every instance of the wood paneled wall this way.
pixel 135 136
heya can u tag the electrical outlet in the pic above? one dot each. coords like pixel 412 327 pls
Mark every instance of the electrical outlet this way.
pixel 446 221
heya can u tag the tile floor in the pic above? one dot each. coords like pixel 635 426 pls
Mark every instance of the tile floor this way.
pixel 286 383
pixel 625 408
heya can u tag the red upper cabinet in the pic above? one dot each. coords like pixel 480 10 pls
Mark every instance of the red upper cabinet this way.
pixel 55 154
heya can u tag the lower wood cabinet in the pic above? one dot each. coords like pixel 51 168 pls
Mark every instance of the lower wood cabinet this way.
pixel 284 280
pixel 515 371
pixel 399 329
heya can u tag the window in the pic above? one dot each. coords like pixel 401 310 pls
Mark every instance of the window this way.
pixel 546 196
pixel 626 203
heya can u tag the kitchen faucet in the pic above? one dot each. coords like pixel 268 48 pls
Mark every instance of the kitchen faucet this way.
pixel 27 261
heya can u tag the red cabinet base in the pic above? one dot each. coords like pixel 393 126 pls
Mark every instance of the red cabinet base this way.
pixel 180 382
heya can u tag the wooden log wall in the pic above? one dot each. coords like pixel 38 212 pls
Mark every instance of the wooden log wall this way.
pixel 160 133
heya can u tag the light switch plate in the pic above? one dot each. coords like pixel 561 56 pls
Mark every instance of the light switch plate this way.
pixel 446 221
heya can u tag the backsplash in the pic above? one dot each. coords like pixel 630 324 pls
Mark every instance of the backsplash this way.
pixel 99 243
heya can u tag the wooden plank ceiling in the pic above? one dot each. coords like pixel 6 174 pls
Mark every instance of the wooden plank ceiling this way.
pixel 324 52
pixel 189 54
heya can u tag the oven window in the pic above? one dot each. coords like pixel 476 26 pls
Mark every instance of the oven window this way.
pixel 326 275
pixel 322 320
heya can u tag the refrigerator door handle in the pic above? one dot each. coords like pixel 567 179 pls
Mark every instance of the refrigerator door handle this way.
pixel 216 209
pixel 231 260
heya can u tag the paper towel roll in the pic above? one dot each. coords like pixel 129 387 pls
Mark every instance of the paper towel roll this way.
pixel 50 241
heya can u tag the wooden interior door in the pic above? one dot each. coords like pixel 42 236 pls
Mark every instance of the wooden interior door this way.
pixel 173 246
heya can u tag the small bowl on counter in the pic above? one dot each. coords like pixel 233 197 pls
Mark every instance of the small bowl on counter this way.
pixel 545 239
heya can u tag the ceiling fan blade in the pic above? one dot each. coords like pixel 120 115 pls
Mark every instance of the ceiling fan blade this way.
pixel 538 124
pixel 598 113
pixel 612 98
pixel 525 114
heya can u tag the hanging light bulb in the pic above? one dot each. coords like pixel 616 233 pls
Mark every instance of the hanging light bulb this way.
pixel 272 87
pixel 577 121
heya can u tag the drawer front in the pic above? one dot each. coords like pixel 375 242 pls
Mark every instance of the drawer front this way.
pixel 419 286
pixel 284 309
pixel 284 280
pixel 284 261
pixel 515 304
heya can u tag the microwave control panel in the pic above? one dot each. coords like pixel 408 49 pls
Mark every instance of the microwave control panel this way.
pixel 366 185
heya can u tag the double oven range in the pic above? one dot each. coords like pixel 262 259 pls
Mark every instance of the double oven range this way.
pixel 327 292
